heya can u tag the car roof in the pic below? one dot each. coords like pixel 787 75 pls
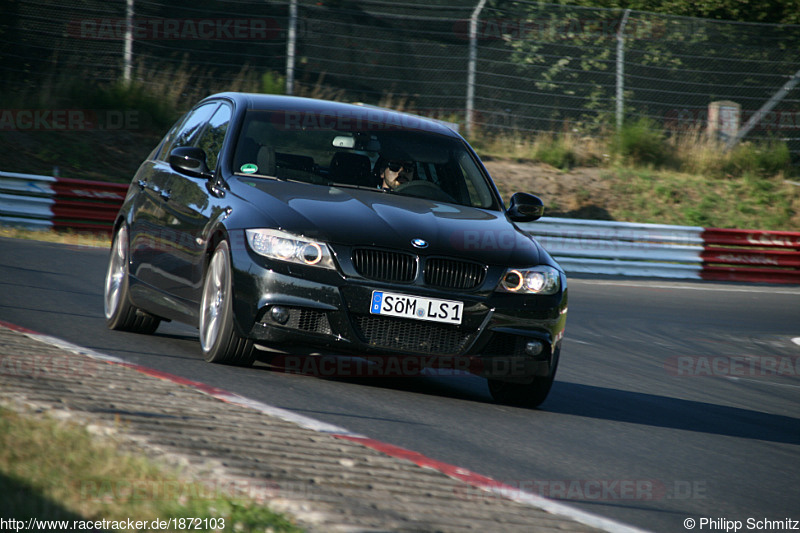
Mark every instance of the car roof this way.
pixel 354 112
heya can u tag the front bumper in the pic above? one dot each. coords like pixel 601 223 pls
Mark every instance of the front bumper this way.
pixel 327 311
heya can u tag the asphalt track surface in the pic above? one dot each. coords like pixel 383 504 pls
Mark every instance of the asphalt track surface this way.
pixel 673 400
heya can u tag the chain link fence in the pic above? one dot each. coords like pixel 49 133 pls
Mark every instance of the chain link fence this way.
pixel 537 67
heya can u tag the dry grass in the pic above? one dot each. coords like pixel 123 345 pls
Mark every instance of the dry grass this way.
pixel 93 240
pixel 699 154
pixel 563 151
pixel 52 470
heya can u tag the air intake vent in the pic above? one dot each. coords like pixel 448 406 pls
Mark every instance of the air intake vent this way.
pixel 410 335
pixel 385 266
pixel 452 274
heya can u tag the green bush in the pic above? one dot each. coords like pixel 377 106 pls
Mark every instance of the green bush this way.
pixel 762 159
pixel 642 143
pixel 154 110
pixel 556 152
pixel 273 83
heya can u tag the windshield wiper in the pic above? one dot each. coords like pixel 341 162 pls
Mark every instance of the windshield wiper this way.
pixel 352 186
pixel 266 177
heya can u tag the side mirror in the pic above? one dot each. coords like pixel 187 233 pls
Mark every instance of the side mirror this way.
pixel 525 207
pixel 189 160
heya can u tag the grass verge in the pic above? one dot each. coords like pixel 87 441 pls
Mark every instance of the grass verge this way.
pixel 669 197
pixel 685 178
pixel 94 240
pixel 51 470
pixel 563 151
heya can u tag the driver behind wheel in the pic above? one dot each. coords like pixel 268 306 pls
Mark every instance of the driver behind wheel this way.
pixel 394 173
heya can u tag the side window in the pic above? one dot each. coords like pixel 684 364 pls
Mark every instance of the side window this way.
pixel 166 142
pixel 212 138
pixel 187 134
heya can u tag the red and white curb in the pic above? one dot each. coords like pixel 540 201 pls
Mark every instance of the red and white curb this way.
pixel 455 472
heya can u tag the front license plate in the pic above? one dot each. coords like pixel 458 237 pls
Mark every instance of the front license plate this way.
pixel 416 307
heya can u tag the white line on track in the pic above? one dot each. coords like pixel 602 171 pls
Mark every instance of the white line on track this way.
pixel 761 382
pixel 763 289
pixel 572 339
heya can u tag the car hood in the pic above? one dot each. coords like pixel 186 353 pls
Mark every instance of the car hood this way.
pixel 358 217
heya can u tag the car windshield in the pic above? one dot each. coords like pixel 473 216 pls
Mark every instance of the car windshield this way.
pixel 351 153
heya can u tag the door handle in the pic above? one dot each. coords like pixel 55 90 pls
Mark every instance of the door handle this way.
pixel 165 194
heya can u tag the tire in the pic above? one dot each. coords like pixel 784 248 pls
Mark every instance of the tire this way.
pixel 218 337
pixel 524 394
pixel 120 314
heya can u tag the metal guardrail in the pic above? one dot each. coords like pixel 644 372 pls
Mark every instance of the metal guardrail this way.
pixel 580 246
pixel 665 251
pixel 45 202
pixel 621 248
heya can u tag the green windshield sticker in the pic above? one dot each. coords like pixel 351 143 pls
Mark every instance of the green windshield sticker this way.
pixel 249 168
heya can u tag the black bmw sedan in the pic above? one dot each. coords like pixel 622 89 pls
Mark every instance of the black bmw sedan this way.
pixel 297 225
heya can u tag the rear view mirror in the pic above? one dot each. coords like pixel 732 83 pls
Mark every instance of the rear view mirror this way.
pixel 525 207
pixel 344 141
pixel 189 160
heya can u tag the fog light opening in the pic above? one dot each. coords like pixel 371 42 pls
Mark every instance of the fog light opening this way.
pixel 279 314
pixel 533 348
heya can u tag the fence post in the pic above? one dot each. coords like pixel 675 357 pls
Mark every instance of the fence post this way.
pixel 621 68
pixel 291 39
pixel 471 66
pixel 128 48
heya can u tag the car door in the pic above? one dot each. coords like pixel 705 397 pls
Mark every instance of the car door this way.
pixel 152 239
pixel 191 209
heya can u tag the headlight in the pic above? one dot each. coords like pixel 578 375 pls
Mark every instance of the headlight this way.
pixel 540 279
pixel 282 246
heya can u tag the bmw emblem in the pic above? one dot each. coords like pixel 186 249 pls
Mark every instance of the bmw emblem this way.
pixel 419 243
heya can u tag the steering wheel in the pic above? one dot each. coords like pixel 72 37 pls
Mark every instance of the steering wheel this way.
pixel 424 189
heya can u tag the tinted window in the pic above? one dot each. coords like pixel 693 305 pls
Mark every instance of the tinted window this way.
pixel 166 142
pixel 191 128
pixel 213 136
pixel 331 151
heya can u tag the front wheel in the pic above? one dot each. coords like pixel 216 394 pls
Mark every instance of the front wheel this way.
pixel 525 394
pixel 119 312
pixel 218 337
